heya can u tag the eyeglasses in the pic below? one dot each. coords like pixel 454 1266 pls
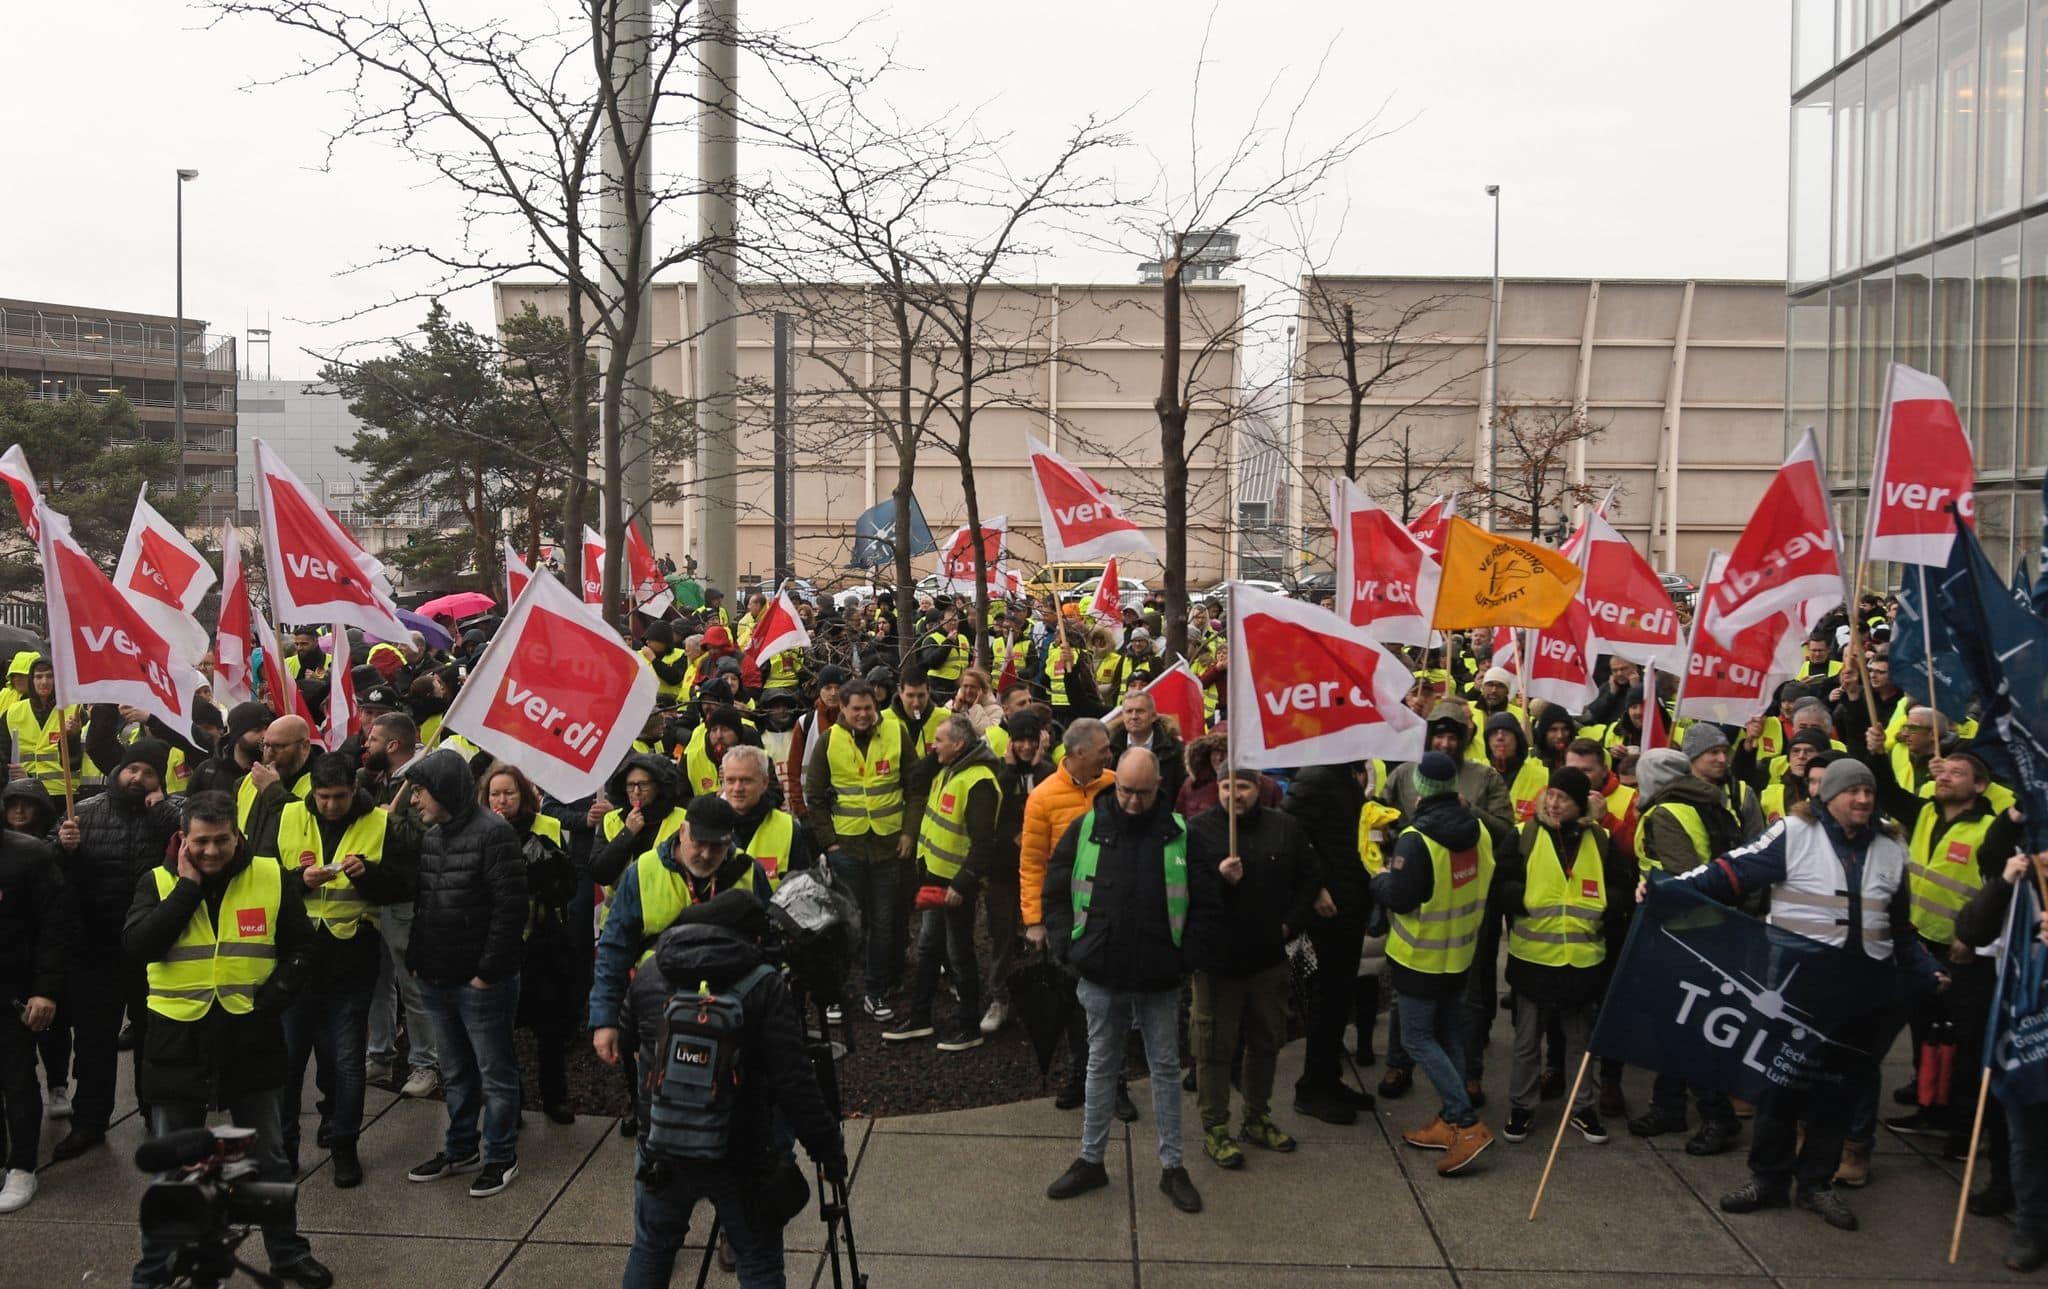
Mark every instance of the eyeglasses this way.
pixel 281 747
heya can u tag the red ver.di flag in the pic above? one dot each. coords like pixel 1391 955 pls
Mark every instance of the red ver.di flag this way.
pixel 165 578
pixel 651 595
pixel 316 571
pixel 593 568
pixel 1308 689
pixel 1429 526
pixel 557 694
pixel 1107 604
pixel 1080 521
pixel 1728 680
pixel 1177 692
pixel 1923 467
pixel 779 631
pixel 1386 578
pixel 1631 612
pixel 516 571
pixel 1560 665
pixel 343 717
pixel 956 560
pixel 1790 551
pixel 21 483
pixel 103 651
pixel 234 680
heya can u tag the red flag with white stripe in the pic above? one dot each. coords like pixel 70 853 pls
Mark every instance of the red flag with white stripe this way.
pixel 343 717
pixel 1107 604
pixel 1655 732
pixel 1923 466
pixel 1432 525
pixel 651 596
pixel 1560 660
pixel 21 482
pixel 316 572
pixel 286 699
pixel 1789 552
pixel 1386 578
pixel 1177 692
pixel 956 559
pixel 1632 613
pixel 1307 688
pixel 593 568
pixel 233 681
pixel 165 578
pixel 1078 518
pixel 779 630
pixel 516 571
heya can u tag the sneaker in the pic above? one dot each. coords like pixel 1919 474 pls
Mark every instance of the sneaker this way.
pixel 424 1081
pixel 1655 1122
pixel 915 1025
pixel 19 1189
pixel 1750 1197
pixel 834 1014
pixel 1589 1126
pixel 1519 1125
pixel 1471 1140
pixel 1395 1083
pixel 1920 1123
pixel 1124 1109
pixel 1551 1086
pixel 997 1016
pixel 1317 1103
pixel 1434 1135
pixel 57 1103
pixel 376 1071
pixel 348 1166
pixel 1070 1096
pixel 1080 1178
pixel 433 1170
pixel 1220 1149
pixel 1265 1134
pixel 1854 1170
pixel 874 1008
pixel 304 1271
pixel 1716 1136
pixel 1831 1206
pixel 1177 1186
pixel 964 1039
pixel 493 1178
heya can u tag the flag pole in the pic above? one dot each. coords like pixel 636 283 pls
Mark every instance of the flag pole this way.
pixel 64 763
pixel 1563 1121
pixel 1927 653
pixel 1230 748
pixel 1855 604
pixel 1955 1239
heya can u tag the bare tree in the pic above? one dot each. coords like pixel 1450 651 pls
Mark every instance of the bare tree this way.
pixel 1409 472
pixel 1379 365
pixel 1533 474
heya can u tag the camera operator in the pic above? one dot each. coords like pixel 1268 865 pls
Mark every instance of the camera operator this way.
pixel 754 1189
pixel 226 942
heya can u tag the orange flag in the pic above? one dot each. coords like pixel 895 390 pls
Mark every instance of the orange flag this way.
pixel 1495 581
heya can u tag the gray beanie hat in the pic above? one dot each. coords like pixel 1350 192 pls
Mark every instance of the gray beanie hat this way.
pixel 1702 738
pixel 1842 775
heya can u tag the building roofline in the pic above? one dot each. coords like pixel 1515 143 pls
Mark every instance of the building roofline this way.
pixel 1210 285
pixel 111 315
pixel 1544 280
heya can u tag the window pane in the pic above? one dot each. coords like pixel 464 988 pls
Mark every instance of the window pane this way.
pixel 1883 16
pixel 1873 354
pixel 2002 111
pixel 1916 136
pixel 1843 320
pixel 1848 26
pixel 1994 527
pixel 1912 313
pixel 1956 163
pixel 1806 380
pixel 1997 358
pixel 1881 155
pixel 1812 179
pixel 2033 397
pixel 2037 110
pixel 2026 528
pixel 1848 168
pixel 1950 356
pixel 1813 39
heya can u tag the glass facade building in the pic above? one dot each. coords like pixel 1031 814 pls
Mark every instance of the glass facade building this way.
pixel 1919 233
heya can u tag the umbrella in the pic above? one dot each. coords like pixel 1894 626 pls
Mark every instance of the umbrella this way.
pixel 13 640
pixel 1043 997
pixel 458 606
pixel 431 632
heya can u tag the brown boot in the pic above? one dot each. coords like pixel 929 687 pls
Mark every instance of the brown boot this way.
pixel 1434 1135
pixel 1855 1166
pixel 1464 1150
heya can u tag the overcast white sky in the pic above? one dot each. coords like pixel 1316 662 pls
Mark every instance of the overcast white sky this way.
pixel 1631 138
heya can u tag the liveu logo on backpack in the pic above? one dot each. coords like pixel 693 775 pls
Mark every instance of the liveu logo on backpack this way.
pixel 689 1115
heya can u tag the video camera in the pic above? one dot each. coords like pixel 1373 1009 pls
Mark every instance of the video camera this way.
pixel 208 1208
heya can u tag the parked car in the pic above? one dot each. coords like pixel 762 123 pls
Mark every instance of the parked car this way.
pixel 1221 590
pixel 1679 587
pixel 1057 580
pixel 1315 588
pixel 1130 592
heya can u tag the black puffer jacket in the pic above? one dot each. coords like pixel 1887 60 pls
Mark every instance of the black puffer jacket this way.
pixel 1326 801
pixel 35 920
pixel 608 859
pixel 472 883
pixel 1127 944
pixel 120 839
pixel 778 1075
pixel 221 772
pixel 221 1055
pixel 1241 928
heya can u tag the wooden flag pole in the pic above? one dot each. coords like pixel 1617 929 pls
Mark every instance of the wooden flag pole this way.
pixel 1564 1120
pixel 1955 1239
pixel 64 764
pixel 1927 655
pixel 1862 655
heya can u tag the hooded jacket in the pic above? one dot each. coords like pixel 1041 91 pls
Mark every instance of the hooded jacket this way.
pixel 120 838
pixel 1409 879
pixel 1238 929
pixel 778 1083
pixel 221 1055
pixel 609 859
pixel 35 917
pixel 1127 945
pixel 221 772
pixel 625 937
pixel 1326 800
pixel 1205 764
pixel 1662 839
pixel 472 883
pixel 1483 789
pixel 1551 717
pixel 38 796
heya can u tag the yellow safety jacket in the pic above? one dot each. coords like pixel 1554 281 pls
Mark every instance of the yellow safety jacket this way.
pixel 246 793
pixel 770 845
pixel 337 905
pixel 1057 661
pixel 1373 820
pixel 867 788
pixel 942 840
pixel 1562 925
pixel 37 745
pixel 225 965
pixel 1688 818
pixel 1527 786
pixel 666 693
pixel 955 657
pixel 664 894
pixel 1441 938
pixel 1943 875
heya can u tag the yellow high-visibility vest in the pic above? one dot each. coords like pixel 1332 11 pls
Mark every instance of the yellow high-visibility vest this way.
pixel 225 965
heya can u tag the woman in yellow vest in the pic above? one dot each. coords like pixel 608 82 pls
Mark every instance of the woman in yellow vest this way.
pixel 1569 896
pixel 338 847
pixel 547 1001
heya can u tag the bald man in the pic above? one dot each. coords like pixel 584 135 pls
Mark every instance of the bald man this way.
pixel 279 778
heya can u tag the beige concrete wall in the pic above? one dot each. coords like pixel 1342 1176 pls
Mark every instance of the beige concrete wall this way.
pixel 1094 404
pixel 1707 377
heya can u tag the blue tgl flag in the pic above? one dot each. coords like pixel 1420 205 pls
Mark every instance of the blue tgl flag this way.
pixel 1707 991
pixel 1953 681
pixel 874 534
pixel 2016 1045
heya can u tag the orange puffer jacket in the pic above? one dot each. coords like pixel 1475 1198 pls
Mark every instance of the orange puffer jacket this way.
pixel 1051 807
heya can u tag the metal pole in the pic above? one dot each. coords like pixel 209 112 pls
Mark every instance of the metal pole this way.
pixel 718 343
pixel 1493 370
pixel 178 339
pixel 785 479
pixel 632 74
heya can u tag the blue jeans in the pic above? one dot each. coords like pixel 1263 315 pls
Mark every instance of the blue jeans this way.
pixel 258 1110
pixel 395 922
pixel 479 1069
pixel 661 1221
pixel 1109 1023
pixel 1433 1032
pixel 331 1025
pixel 867 865
pixel 945 937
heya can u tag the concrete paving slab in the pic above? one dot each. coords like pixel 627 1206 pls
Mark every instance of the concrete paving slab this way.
pixel 553 1266
pixel 1181 1275
pixel 35 1251
pixel 985 1197
pixel 938 1272
pixel 1278 1209
pixel 381 1260
pixel 102 1185
pixel 1583 1280
pixel 387 1204
pixel 1035 1118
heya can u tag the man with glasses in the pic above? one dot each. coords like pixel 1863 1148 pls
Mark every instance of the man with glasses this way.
pixel 1116 909
pixel 278 778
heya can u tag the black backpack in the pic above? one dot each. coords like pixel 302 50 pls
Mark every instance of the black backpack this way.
pixel 697 1077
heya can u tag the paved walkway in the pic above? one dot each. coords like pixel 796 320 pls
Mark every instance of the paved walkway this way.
pixel 957 1199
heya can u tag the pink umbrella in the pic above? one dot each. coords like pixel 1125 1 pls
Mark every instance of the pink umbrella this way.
pixel 460 605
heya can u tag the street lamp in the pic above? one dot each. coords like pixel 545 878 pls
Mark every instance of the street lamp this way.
pixel 1493 370
pixel 178 340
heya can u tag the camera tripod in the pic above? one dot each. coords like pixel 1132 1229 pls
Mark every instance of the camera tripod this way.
pixel 211 1262
pixel 832 1205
